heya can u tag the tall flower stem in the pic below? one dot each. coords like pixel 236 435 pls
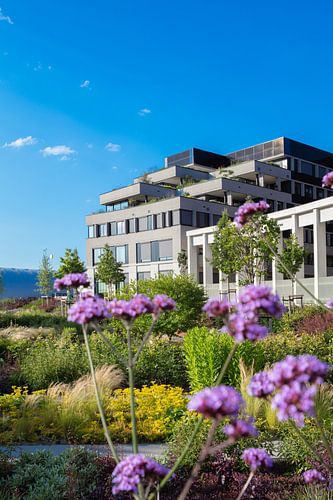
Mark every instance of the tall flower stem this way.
pixel 98 397
pixel 246 485
pixel 130 368
pixel 203 454
pixel 325 441
pixel 198 424
pixel 144 340
pixel 311 448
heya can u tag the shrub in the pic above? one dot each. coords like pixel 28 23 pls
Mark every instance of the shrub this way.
pixel 157 407
pixel 188 295
pixel 34 319
pixel 206 351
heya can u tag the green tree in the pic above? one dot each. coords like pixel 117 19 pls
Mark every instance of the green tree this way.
pixel 225 255
pixel 108 270
pixel 70 263
pixel 45 275
pixel 292 258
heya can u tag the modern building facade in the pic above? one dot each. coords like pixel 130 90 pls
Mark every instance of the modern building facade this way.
pixel 146 222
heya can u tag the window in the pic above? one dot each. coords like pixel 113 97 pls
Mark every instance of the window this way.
pixel 121 254
pixel 298 188
pixel 216 276
pixel 216 219
pixel 143 253
pixel 308 233
pixel 118 227
pixel 131 226
pixel 186 217
pixel 164 250
pixel 117 206
pixel 143 275
pixel 145 223
pixel 175 217
pixel 307 168
pixel 91 231
pixel 295 165
pixel 321 171
pixel 202 219
pixel 320 193
pixel 166 272
pixel 103 230
pixel 96 253
pixel 286 186
pixel 160 221
pixel 279 205
pixel 329 260
pixel 308 192
pixel 309 259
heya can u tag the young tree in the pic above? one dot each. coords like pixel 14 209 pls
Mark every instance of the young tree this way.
pixel 45 275
pixel 225 254
pixel 108 270
pixel 292 258
pixel 182 262
pixel 70 263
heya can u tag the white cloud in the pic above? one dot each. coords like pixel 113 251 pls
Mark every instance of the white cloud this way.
pixel 65 152
pixel 114 148
pixel 90 145
pixel 114 168
pixel 85 84
pixel 21 142
pixel 5 18
pixel 144 111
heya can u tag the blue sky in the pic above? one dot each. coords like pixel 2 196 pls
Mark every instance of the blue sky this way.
pixel 148 78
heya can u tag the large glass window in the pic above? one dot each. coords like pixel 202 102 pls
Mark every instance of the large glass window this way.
pixel 103 230
pixel 279 205
pixel 160 220
pixel 286 186
pixel 321 171
pixel 320 193
pixel 186 217
pixel 202 219
pixel 164 250
pixel 143 224
pixel 143 253
pixel 121 254
pixel 308 192
pixel 298 188
pixel 143 275
pixel 216 219
pixel 118 227
pixel 131 226
pixel 91 232
pixel 166 272
pixel 117 206
pixel 307 168
pixel 96 253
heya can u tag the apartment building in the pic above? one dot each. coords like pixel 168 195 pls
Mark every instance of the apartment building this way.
pixel 146 222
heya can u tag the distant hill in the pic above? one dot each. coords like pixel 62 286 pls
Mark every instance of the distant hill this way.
pixel 18 282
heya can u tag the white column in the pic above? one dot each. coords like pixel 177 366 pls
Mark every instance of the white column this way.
pixel 192 258
pixel 206 264
pixel 229 198
pixel 299 233
pixel 261 180
pixel 319 249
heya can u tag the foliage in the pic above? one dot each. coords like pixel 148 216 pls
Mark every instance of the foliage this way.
pixel 158 407
pixel 291 257
pixel 182 262
pixel 45 275
pixel 108 270
pixel 206 351
pixel 9 304
pixel 70 263
pixel 188 295
pixel 34 319
pixel 246 250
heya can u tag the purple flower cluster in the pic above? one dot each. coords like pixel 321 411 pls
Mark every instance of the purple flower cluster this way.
pixel 313 476
pixel 261 385
pixel 253 300
pixel 128 473
pixel 216 402
pixel 256 457
pixel 88 308
pixel 73 280
pixel 215 308
pixel 327 180
pixel 140 304
pixel 238 429
pixel 294 381
pixel 247 210
pixel 329 303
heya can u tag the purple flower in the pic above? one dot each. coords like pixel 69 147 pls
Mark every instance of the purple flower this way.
pixel 129 310
pixel 216 402
pixel 88 308
pixel 304 368
pixel 255 299
pixel 163 303
pixel 313 475
pixel 329 303
pixel 261 385
pixel 327 180
pixel 242 329
pixel 238 429
pixel 256 457
pixel 247 210
pixel 132 470
pixel 216 308
pixel 295 402
pixel 73 280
